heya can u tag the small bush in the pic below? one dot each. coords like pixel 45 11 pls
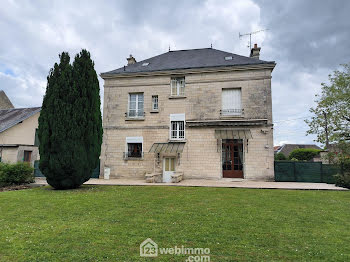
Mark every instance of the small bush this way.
pixel 343 179
pixel 304 154
pixel 16 174
pixel 280 156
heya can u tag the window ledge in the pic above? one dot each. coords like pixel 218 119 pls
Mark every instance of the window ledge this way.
pixel 177 140
pixel 134 118
pixel 177 97
pixel 133 158
pixel 232 116
pixel 154 111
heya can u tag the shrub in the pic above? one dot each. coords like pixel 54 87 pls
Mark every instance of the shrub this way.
pixel 16 174
pixel 280 156
pixel 343 179
pixel 304 154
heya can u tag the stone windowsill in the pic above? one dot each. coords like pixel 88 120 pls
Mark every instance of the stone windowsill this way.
pixel 231 116
pixel 134 118
pixel 133 158
pixel 154 111
pixel 177 141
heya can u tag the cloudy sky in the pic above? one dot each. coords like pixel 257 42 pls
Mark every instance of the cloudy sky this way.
pixel 307 40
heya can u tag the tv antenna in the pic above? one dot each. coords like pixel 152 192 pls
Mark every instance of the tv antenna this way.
pixel 250 36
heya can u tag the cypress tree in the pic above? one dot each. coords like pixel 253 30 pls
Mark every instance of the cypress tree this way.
pixel 70 126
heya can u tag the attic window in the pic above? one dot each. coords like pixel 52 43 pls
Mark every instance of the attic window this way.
pixel 228 57
pixel 145 64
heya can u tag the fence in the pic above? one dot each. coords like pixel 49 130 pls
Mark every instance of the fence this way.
pixel 37 172
pixel 316 172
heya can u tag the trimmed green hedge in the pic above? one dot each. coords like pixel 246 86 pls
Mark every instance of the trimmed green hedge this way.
pixel 280 156
pixel 16 174
pixel 304 154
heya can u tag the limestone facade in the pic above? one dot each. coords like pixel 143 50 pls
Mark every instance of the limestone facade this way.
pixel 201 104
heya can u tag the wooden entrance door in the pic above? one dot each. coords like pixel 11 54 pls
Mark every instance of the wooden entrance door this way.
pixel 232 158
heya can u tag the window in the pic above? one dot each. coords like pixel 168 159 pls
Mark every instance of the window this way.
pixel 177 126
pixel 134 147
pixel 135 105
pixel 134 150
pixel 177 130
pixel 178 86
pixel 27 156
pixel 155 103
pixel 231 102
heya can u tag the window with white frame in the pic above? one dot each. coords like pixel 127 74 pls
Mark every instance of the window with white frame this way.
pixel 133 147
pixel 135 105
pixel 231 102
pixel 177 86
pixel 155 102
pixel 177 126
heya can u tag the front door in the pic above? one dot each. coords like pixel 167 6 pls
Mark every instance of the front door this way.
pixel 169 169
pixel 232 158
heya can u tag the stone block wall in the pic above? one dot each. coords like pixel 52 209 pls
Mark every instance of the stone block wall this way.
pixel 201 157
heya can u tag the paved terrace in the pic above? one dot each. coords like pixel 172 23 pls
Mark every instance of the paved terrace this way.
pixel 233 183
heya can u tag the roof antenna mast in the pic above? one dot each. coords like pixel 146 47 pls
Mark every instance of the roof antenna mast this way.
pixel 250 36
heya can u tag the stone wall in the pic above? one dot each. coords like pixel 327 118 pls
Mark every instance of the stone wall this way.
pixel 201 157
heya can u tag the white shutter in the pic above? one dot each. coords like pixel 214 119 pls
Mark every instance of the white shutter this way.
pixel 231 100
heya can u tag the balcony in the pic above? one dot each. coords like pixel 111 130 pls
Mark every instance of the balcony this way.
pixel 133 155
pixel 234 112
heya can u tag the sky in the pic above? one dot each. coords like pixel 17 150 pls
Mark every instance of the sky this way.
pixel 308 41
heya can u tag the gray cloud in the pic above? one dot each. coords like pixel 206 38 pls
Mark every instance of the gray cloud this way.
pixel 306 40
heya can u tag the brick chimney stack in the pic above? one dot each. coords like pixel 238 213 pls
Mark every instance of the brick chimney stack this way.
pixel 131 60
pixel 255 52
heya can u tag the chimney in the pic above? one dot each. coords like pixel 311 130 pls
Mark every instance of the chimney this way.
pixel 131 60
pixel 255 52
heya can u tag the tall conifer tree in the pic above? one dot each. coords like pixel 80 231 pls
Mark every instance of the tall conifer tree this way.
pixel 70 126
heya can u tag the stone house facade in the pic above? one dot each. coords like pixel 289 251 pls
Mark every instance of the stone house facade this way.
pixel 197 114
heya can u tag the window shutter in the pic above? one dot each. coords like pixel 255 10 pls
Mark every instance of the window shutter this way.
pixel 231 99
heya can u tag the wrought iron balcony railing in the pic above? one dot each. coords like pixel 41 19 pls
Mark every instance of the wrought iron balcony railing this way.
pixel 232 112
pixel 133 155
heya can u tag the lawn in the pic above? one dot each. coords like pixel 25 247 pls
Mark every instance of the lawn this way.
pixel 108 223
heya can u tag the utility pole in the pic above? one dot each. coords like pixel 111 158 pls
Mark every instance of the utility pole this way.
pixel 326 128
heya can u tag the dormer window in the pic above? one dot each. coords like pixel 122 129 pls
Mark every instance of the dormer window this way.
pixel 177 86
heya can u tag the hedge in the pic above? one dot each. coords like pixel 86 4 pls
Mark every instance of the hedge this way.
pixel 16 174
pixel 304 154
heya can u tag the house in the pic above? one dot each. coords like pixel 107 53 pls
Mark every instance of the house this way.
pixel 18 134
pixel 5 102
pixel 276 149
pixel 191 114
pixel 286 149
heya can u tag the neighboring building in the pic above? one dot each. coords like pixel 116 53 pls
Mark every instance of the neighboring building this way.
pixel 276 149
pixel 201 113
pixel 5 102
pixel 18 134
pixel 288 148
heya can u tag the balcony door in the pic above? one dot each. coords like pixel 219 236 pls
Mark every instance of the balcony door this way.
pixel 232 158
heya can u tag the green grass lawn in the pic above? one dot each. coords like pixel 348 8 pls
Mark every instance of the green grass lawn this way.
pixel 108 223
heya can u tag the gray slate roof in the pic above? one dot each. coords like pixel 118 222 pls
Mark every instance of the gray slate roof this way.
pixel 187 59
pixel 13 116
pixel 286 149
